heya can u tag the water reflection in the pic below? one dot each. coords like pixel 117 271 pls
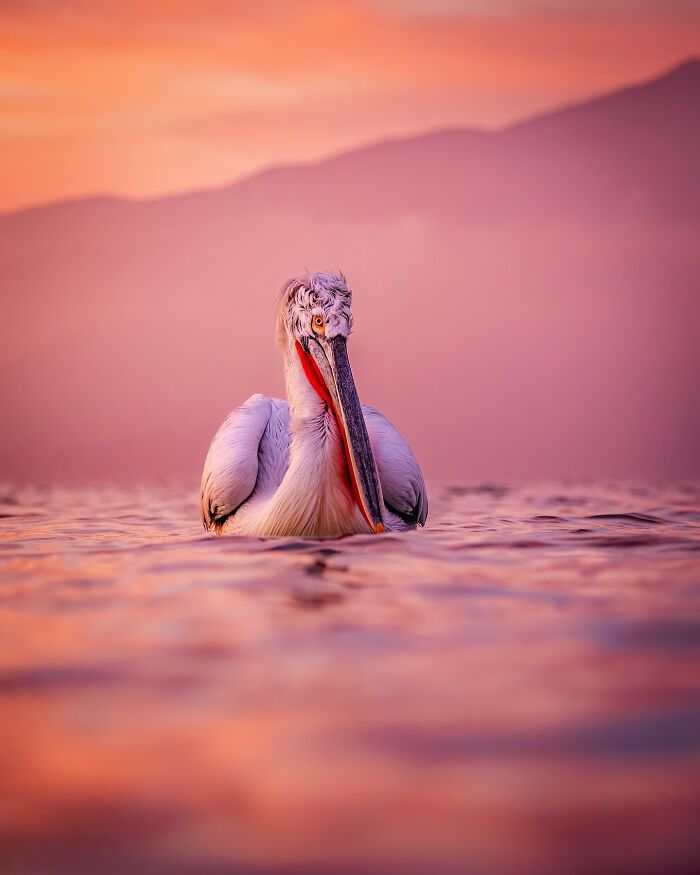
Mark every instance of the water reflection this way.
pixel 514 689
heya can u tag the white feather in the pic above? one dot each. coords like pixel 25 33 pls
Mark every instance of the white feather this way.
pixel 279 468
pixel 231 467
pixel 399 472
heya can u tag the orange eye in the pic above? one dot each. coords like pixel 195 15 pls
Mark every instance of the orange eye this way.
pixel 318 324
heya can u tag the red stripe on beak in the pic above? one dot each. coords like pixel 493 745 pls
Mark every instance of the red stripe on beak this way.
pixel 314 376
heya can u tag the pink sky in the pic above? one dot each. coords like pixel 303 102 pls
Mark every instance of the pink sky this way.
pixel 152 97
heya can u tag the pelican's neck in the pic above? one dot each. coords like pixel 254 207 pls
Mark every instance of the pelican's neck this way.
pixel 305 404
pixel 315 496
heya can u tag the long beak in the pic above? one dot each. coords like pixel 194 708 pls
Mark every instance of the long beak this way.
pixel 331 359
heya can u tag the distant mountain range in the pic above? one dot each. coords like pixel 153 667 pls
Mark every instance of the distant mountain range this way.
pixel 526 301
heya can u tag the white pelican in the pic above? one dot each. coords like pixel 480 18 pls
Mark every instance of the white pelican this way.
pixel 321 464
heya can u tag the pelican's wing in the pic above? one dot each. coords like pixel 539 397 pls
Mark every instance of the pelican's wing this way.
pixel 399 473
pixel 231 466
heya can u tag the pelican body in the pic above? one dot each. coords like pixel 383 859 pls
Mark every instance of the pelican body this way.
pixel 320 464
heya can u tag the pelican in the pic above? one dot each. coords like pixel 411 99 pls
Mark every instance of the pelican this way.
pixel 320 464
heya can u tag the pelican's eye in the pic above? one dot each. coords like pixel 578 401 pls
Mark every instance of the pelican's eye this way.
pixel 318 324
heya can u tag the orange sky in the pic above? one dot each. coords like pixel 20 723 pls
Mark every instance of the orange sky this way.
pixel 140 98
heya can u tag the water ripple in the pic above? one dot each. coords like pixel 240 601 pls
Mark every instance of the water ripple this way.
pixel 515 686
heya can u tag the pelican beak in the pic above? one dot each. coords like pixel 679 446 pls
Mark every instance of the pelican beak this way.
pixel 330 358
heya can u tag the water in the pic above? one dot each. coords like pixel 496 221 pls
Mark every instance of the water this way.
pixel 514 689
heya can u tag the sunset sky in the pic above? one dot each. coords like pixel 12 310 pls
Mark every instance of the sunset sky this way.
pixel 155 96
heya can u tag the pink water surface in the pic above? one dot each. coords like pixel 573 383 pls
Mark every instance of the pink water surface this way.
pixel 515 689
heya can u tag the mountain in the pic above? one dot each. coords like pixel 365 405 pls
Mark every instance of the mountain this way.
pixel 526 300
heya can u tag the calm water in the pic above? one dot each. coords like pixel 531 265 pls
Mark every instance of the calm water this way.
pixel 516 689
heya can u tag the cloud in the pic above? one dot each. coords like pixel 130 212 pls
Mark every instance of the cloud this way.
pixel 166 94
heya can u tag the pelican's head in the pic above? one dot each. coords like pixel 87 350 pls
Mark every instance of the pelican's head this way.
pixel 314 319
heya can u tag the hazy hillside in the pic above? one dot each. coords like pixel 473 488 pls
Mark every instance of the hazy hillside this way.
pixel 526 301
